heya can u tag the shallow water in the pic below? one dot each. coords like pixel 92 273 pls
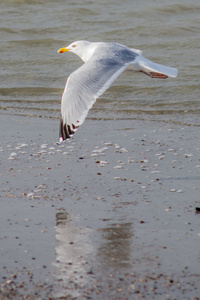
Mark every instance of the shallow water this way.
pixel 33 75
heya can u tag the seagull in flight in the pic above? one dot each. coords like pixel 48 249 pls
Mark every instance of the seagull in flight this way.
pixel 103 63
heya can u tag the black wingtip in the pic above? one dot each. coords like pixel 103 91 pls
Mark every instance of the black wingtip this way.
pixel 65 131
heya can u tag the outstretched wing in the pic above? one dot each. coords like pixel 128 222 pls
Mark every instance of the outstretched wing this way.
pixel 82 89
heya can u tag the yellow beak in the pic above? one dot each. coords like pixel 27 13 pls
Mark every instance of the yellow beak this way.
pixel 61 50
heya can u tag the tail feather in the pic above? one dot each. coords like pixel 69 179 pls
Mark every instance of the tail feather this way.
pixel 147 66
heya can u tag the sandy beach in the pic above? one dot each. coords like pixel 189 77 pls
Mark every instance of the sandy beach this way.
pixel 110 214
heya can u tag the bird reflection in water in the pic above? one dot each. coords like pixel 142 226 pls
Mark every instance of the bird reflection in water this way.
pixel 83 254
pixel 73 250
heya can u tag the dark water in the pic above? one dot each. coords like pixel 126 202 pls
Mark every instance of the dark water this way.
pixel 33 75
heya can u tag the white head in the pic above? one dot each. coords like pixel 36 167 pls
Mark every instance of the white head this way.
pixel 83 49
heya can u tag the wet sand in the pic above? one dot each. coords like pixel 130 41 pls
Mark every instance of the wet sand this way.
pixel 111 214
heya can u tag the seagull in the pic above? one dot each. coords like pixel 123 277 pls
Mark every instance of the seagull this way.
pixel 103 63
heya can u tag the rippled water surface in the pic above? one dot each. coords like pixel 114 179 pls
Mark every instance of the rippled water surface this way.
pixel 33 75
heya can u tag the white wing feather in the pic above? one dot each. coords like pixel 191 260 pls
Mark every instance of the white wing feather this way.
pixel 82 89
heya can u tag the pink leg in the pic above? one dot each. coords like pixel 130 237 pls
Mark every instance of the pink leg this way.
pixel 158 75
pixel 155 75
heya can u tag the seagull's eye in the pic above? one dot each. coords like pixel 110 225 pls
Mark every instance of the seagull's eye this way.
pixel 74 46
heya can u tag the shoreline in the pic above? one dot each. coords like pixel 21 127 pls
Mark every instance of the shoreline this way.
pixel 109 214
